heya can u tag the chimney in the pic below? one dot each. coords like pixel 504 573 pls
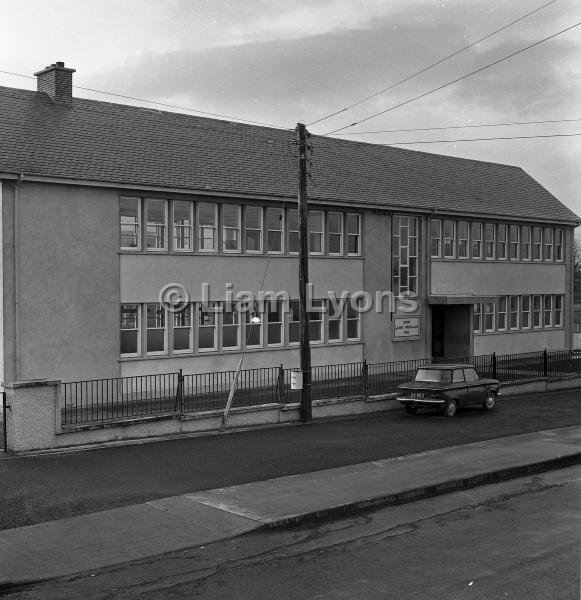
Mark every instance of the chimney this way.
pixel 56 81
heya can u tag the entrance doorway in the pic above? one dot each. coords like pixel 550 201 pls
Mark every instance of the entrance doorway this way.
pixel 451 330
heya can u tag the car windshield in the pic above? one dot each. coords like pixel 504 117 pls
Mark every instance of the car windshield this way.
pixel 435 375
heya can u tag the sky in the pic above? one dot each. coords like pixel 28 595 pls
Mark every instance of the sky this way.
pixel 284 61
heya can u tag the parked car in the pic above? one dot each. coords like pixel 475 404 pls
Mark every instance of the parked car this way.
pixel 446 387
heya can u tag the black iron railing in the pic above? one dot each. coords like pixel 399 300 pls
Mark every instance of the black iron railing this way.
pixel 172 394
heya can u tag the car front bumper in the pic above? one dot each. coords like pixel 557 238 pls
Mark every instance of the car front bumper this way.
pixel 420 401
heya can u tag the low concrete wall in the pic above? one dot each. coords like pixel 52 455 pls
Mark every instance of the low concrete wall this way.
pixel 34 416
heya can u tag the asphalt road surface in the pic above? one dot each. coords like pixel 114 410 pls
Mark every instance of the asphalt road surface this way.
pixel 41 488
pixel 513 540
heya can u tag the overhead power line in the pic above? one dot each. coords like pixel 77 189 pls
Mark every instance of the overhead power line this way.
pixel 435 64
pixel 461 126
pixel 194 110
pixel 492 64
pixel 514 137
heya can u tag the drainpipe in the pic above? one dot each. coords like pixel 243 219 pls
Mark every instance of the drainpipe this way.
pixel 17 278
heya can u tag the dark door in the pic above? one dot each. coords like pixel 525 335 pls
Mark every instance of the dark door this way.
pixel 438 330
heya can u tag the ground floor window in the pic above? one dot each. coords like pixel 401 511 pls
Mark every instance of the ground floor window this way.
pixel 156 340
pixel 130 330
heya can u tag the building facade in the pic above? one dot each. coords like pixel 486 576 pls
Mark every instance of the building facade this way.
pixel 108 211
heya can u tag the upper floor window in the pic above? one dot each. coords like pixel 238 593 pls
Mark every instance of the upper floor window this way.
pixel 463 228
pixel 514 312
pixel 253 229
pixel 230 327
pixel 353 234
pixel 502 241
pixel 449 239
pixel 559 244
pixel 548 243
pixel 130 330
pixel 275 229
pixel 182 225
pixel 182 330
pixel 476 240
pixel 207 227
pixel 525 312
pixel 558 311
pixel 293 230
pixel 230 228
pixel 537 237
pixel 316 233
pixel 435 238
pixel 207 327
pixel 130 223
pixel 501 313
pixel 477 326
pixel 156 341
pixel 514 242
pixel 275 326
pixel 525 246
pixel 156 224
pixel 335 233
pixel 489 240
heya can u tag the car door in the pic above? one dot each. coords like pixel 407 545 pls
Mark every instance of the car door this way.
pixel 475 389
pixel 459 385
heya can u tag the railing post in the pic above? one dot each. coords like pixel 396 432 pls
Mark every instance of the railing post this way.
pixel 280 385
pixel 180 400
pixel 545 363
pixel 364 377
pixel 494 365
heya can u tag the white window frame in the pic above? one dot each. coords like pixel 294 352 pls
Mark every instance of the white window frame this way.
pixel 163 225
pixel 451 239
pixel 316 232
pixel 330 233
pixel 313 314
pixel 348 319
pixel 559 241
pixel 487 241
pixel 189 227
pixel 148 329
pixel 201 228
pixel 528 312
pixel 290 322
pixel 558 304
pixel 512 312
pixel 502 244
pixel 492 316
pixel 188 312
pixel 548 297
pixel 235 312
pixel 477 313
pixel 466 239
pixel 136 225
pixel 356 235
pixel 538 311
pixel 290 231
pixel 137 328
pixel 529 244
pixel 280 213
pixel 210 309
pixel 260 210
pixel 548 244
pixel 329 319
pixel 248 314
pixel 436 236
pixel 480 240
pixel 237 212
pixel 511 244
pixel 538 244
pixel 279 304
pixel 502 311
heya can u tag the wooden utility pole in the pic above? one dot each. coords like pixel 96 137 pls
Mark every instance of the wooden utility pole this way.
pixel 305 346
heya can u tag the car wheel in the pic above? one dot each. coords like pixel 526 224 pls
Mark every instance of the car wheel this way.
pixel 411 410
pixel 490 401
pixel 450 408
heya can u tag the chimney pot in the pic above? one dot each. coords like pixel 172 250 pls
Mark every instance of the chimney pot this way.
pixel 56 81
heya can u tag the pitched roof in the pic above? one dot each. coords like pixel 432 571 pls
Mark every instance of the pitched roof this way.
pixel 121 144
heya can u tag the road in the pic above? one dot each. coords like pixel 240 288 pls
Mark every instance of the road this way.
pixel 513 540
pixel 41 488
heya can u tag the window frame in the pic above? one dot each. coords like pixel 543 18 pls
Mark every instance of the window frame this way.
pixel 460 239
pixel 487 241
pixel 513 244
pixel 491 314
pixel 200 228
pixel 512 312
pixel 477 313
pixel 137 329
pixel 226 228
pixel 260 212
pixel 340 233
pixel 248 314
pixel 188 310
pixel 237 325
pixel 537 311
pixel 452 239
pixel 437 238
pixel 559 245
pixel 290 232
pixel 537 245
pixel 334 318
pixel 348 319
pixel 548 311
pixel 164 225
pixel 502 242
pixel 502 313
pixel 320 234
pixel 527 312
pixel 280 219
pixel 558 308
pixel 164 328
pixel 350 235
pixel 479 240
pixel 528 243
pixel 136 225
pixel 267 313
pixel 174 246
pixel 548 244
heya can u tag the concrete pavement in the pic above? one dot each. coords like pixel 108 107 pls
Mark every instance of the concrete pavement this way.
pixel 89 542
